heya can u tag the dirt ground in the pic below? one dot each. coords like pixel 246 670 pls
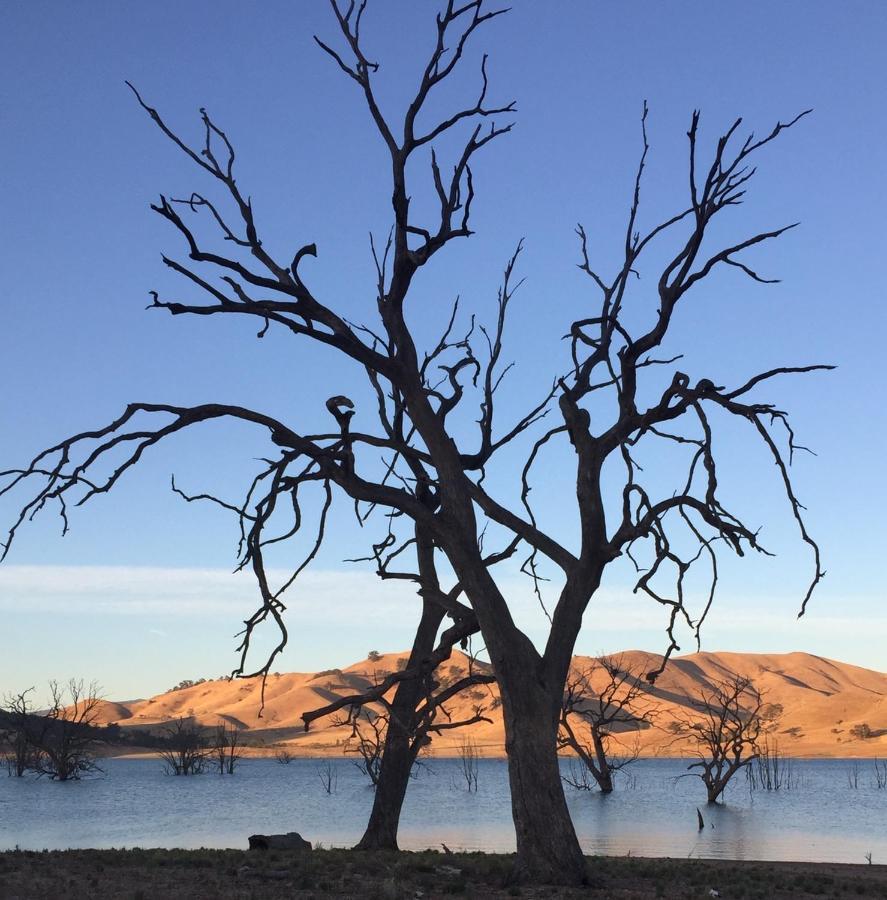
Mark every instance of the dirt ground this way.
pixel 199 874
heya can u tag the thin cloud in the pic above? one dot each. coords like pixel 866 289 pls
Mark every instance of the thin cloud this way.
pixel 176 592
pixel 336 596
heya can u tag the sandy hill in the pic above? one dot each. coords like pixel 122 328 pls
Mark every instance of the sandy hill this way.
pixel 824 703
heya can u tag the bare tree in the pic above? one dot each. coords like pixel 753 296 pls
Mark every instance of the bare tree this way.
pixel 283 756
pixel 16 725
pixel 468 760
pixel 366 741
pixel 64 738
pixel 432 478
pixel 328 773
pixel 724 725
pixel 226 748
pixel 413 702
pixel 185 751
pixel 602 698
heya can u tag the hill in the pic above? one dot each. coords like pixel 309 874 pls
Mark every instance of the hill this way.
pixel 826 705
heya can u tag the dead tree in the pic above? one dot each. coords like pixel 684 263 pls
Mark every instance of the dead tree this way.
pixel 602 698
pixel 468 761
pixel 328 775
pixel 185 750
pixel 418 391
pixel 16 726
pixel 413 696
pixel 283 756
pixel 64 738
pixel 226 748
pixel 366 741
pixel 724 725
pixel 387 727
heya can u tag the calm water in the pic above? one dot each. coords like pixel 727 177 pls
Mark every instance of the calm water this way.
pixel 650 814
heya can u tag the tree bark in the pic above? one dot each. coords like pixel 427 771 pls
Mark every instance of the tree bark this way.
pixel 548 850
pixel 603 774
pixel 391 789
pixel 400 749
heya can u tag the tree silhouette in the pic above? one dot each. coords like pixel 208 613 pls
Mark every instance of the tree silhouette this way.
pixel 185 749
pixel 64 737
pixel 16 725
pixel 432 479
pixel 602 697
pixel 725 729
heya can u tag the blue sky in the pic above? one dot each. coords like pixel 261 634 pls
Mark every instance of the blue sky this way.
pixel 137 594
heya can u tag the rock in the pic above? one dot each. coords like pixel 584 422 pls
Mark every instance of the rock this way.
pixel 292 840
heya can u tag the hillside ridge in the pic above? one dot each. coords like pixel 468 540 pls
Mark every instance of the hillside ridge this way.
pixel 826 704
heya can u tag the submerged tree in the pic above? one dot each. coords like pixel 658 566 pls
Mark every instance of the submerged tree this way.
pixel 725 726
pixel 226 748
pixel 64 737
pixel 185 750
pixel 366 741
pixel 468 756
pixel 16 726
pixel 433 474
pixel 601 698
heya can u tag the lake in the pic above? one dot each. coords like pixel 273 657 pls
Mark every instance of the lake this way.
pixel 134 804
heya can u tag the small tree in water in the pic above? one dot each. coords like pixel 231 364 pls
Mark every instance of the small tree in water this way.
pixel 225 748
pixel 366 741
pixel 64 738
pixel 17 721
pixel 725 731
pixel 185 751
pixel 600 699
pixel 468 756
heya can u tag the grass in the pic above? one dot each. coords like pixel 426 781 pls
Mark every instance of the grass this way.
pixel 147 874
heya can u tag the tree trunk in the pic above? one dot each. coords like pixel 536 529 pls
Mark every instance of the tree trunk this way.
pixel 603 774
pixel 391 789
pixel 547 848
pixel 399 752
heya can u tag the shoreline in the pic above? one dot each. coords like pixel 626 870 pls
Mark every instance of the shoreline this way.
pixel 318 753
pixel 248 753
pixel 142 874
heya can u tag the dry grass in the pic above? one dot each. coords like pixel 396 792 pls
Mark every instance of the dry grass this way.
pixel 198 874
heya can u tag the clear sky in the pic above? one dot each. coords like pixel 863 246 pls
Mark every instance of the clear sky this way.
pixel 138 595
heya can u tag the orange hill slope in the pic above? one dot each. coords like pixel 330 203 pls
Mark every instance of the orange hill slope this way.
pixel 823 701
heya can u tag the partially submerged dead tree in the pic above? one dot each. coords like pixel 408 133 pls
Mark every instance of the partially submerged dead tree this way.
pixel 185 750
pixel 283 756
pixel 724 726
pixel 468 756
pixel 328 773
pixel 64 738
pixel 602 699
pixel 433 474
pixel 17 722
pixel 226 748
pixel 366 741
